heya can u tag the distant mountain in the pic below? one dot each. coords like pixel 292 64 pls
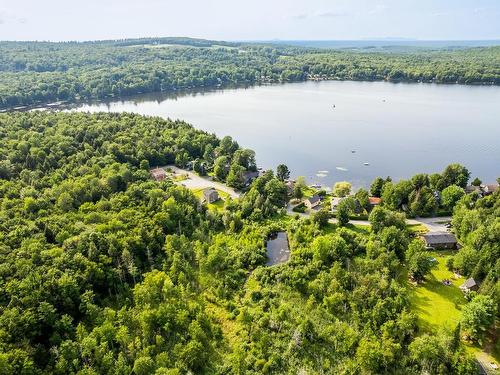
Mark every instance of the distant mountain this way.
pixel 386 43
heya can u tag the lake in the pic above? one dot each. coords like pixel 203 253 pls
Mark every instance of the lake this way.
pixel 341 130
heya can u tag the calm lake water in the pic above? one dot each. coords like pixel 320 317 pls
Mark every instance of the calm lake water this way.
pixel 398 129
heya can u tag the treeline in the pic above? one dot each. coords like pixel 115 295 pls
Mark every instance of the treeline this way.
pixel 43 72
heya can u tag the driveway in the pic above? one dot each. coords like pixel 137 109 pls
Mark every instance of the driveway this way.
pixel 193 181
pixel 433 224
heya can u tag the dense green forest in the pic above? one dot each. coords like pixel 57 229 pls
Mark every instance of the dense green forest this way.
pixel 44 72
pixel 105 271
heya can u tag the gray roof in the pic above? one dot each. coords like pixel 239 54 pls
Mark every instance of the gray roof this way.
pixel 469 283
pixel 314 199
pixel 249 175
pixel 439 238
pixel 490 188
pixel 209 191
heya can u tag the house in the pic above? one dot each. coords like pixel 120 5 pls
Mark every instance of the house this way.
pixel 440 240
pixel 290 185
pixel 473 189
pixel 374 201
pixel 335 202
pixel 469 286
pixel 158 174
pixel 210 195
pixel 312 202
pixel 489 189
pixel 482 189
pixel 249 176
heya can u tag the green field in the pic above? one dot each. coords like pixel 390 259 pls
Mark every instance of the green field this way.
pixel 436 304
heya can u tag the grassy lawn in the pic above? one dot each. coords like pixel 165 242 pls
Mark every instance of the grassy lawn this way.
pixel 417 228
pixel 436 304
pixel 178 177
pixel 308 192
pixel 216 206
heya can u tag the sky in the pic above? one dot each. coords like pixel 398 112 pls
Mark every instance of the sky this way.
pixel 250 19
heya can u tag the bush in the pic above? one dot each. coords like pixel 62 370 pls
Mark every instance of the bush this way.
pixel 299 208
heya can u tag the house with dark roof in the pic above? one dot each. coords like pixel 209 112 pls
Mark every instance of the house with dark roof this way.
pixel 312 202
pixel 210 195
pixel 440 240
pixel 249 176
pixel 469 286
pixel 158 174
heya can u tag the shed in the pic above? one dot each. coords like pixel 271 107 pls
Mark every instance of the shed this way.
pixel 210 195
pixel 440 240
pixel 469 286
pixel 158 174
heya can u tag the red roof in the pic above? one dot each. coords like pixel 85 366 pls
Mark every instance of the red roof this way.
pixel 374 201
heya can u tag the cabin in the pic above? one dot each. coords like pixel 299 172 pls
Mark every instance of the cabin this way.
pixel 469 286
pixel 374 201
pixel 313 202
pixel 440 240
pixel 158 174
pixel 335 202
pixel 210 195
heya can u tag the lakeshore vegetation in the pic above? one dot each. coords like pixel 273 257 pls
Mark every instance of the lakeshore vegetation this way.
pixel 105 271
pixel 37 73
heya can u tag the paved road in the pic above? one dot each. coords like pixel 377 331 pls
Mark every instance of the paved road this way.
pixel 197 182
pixel 433 224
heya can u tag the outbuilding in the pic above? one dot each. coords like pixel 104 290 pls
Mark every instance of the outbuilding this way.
pixel 158 174
pixel 210 195
pixel 469 286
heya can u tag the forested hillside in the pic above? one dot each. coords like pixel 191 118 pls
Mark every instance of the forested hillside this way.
pixel 43 72
pixel 105 271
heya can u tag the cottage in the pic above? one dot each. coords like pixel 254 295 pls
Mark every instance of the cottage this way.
pixel 469 286
pixel 335 202
pixel 374 201
pixel 440 240
pixel 290 186
pixel 158 174
pixel 210 195
pixel 312 202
